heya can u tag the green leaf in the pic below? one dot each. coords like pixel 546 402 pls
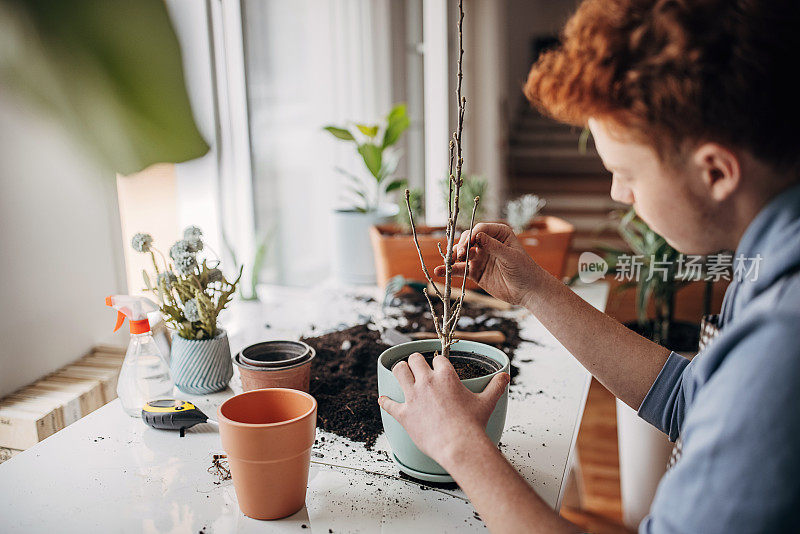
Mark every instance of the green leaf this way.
pixel 397 123
pixel 397 184
pixel 397 113
pixel 391 158
pixel 369 131
pixel 372 155
pixel 86 64
pixel 340 133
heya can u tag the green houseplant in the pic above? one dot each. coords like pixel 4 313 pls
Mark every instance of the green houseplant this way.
pixel 367 193
pixel 191 294
pixel 393 244
pixel 658 275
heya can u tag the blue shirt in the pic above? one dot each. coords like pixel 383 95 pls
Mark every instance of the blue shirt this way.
pixel 736 405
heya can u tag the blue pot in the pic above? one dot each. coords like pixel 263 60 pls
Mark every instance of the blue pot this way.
pixel 409 458
pixel 201 366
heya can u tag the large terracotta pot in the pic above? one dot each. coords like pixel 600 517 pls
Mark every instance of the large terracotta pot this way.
pixel 548 241
pixel 267 435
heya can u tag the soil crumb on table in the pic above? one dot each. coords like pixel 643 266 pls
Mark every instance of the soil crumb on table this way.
pixel 344 376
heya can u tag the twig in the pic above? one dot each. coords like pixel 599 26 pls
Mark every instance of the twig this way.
pixel 416 243
pixel 466 263
pixel 454 183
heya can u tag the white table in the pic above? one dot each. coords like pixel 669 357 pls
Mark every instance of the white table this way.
pixel 110 473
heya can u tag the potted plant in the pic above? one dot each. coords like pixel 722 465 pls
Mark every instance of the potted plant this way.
pixel 394 246
pixel 547 239
pixel 475 363
pixel 644 450
pixel 191 295
pixel 375 144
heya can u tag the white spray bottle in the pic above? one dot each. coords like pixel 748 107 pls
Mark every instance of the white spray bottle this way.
pixel 145 373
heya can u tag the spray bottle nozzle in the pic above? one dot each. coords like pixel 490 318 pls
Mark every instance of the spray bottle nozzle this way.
pixel 135 309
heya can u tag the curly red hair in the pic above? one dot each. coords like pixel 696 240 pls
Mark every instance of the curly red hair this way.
pixel 674 72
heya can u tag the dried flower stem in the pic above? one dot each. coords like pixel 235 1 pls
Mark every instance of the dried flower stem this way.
pixel 450 314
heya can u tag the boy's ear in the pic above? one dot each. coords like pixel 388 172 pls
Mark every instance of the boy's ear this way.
pixel 719 170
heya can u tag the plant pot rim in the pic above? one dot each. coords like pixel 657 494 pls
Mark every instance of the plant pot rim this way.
pixel 279 364
pixel 221 332
pixel 221 417
pixel 242 365
pixel 412 347
pixel 548 223
pixel 385 210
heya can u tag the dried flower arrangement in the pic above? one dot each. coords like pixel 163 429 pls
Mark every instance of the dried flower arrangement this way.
pixel 446 324
pixel 191 294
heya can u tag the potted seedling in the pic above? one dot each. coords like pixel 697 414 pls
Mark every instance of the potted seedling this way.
pixel 395 246
pixel 191 294
pixel 475 363
pixel 546 239
pixel 376 146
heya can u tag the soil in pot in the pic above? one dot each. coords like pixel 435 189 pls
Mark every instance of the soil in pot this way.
pixel 467 364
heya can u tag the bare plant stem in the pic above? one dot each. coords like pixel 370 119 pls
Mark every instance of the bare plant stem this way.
pixel 449 320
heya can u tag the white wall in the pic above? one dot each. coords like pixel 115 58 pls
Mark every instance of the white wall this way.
pixel 60 248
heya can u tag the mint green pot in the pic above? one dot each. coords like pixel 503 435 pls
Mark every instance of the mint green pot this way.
pixel 406 453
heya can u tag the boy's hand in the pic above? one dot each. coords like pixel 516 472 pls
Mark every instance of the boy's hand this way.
pixel 439 413
pixel 497 262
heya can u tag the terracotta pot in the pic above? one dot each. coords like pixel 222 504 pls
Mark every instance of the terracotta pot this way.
pixel 275 364
pixel 267 435
pixel 395 253
pixel 548 241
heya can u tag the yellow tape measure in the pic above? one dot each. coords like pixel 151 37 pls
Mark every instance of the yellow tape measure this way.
pixel 172 414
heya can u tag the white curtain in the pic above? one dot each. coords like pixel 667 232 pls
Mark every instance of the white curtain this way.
pixel 309 63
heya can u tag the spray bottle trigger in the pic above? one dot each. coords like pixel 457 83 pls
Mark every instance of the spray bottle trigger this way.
pixel 120 320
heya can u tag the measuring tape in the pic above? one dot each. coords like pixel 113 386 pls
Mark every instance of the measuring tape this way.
pixel 173 414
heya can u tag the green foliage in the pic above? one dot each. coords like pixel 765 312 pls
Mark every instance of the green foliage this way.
pixel 660 288
pixel 380 159
pixel 261 254
pixel 109 72
pixel 473 186
pixel 415 199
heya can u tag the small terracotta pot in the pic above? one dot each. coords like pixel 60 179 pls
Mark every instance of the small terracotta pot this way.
pixel 267 435
pixel 275 364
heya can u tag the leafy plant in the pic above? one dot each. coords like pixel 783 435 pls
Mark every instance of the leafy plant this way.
pixel 374 143
pixel 520 212
pixel 85 64
pixel 649 247
pixel 191 294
